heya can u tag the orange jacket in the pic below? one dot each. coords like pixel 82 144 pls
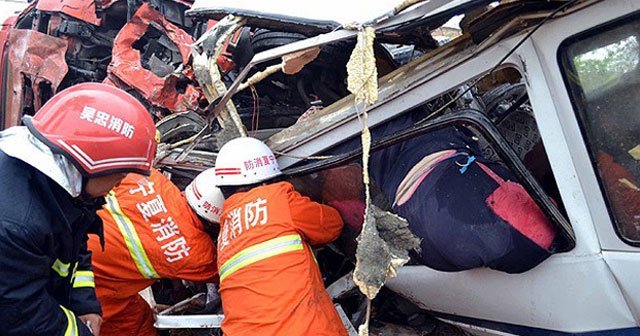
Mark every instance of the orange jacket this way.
pixel 150 233
pixel 270 283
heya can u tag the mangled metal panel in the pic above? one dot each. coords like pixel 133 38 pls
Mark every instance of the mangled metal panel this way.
pixel 206 52
pixel 36 59
pixel 391 85
pixel 312 18
pixel 79 9
pixel 396 83
pixel 127 62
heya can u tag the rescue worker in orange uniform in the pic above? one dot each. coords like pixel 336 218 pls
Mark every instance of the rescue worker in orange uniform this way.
pixel 151 231
pixel 270 283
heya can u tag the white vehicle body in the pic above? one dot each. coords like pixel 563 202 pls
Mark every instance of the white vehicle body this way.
pixel 593 288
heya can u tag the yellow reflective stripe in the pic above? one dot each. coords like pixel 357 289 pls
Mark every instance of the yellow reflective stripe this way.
pixel 259 252
pixel 73 272
pixel 72 327
pixel 84 284
pixel 84 279
pixel 84 273
pixel 61 268
pixel 131 238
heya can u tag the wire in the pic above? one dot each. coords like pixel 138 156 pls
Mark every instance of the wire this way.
pixel 254 94
pixel 473 85
pixel 257 113
pixel 312 157
pixel 500 62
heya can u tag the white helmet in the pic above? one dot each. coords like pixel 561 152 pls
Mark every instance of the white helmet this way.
pixel 204 197
pixel 244 161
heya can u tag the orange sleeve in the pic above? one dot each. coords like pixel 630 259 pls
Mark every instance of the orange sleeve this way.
pixel 320 224
pixel 199 272
pixel 200 265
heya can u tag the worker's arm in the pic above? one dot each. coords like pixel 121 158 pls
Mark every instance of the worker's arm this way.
pixel 26 308
pixel 83 293
pixel 201 265
pixel 320 224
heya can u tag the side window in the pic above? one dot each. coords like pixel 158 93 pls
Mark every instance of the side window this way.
pixel 602 72
pixel 446 167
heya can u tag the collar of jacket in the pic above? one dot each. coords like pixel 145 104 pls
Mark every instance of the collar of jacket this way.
pixel 19 143
pixel 79 215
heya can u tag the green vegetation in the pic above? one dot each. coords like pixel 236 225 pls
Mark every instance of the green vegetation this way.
pixel 604 66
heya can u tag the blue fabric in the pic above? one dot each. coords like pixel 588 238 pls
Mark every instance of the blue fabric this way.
pixel 458 229
pixel 448 211
pixel 39 224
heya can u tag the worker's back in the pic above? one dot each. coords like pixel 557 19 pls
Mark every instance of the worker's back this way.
pixel 270 283
pixel 150 233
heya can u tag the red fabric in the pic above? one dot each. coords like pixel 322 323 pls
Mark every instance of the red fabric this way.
pixel 283 294
pixel 624 200
pixel 511 202
pixel 117 277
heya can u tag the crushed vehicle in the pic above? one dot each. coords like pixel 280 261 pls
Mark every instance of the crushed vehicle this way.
pixel 536 99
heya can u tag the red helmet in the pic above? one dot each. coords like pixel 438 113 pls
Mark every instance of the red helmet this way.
pixel 101 129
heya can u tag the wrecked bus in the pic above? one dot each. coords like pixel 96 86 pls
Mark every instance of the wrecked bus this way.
pixel 546 90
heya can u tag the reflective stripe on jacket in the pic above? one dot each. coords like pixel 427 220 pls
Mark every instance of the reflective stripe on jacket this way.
pixel 270 283
pixel 150 233
pixel 42 246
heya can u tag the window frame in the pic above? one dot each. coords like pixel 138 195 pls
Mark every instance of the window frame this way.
pixel 477 120
pixel 576 98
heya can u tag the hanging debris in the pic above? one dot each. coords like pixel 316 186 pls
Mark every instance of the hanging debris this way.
pixel 362 78
pixel 206 52
pixel 383 247
pixel 385 239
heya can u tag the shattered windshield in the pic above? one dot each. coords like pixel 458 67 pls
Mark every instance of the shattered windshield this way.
pixel 602 73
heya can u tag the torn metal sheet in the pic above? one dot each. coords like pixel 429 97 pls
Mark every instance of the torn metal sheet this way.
pixel 126 64
pixel 178 127
pixel 298 140
pixel 36 59
pixel 84 10
pixel 265 56
pixel 345 321
pixel 341 287
pixel 294 62
pixel 206 52
pixel 323 17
